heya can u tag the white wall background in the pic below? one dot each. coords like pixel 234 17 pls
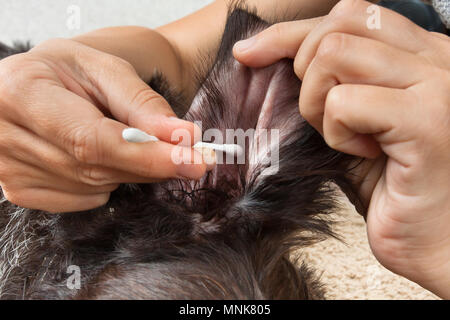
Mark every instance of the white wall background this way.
pixel 37 20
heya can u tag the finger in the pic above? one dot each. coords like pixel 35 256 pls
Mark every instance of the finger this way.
pixel 355 17
pixel 28 148
pixel 55 201
pixel 95 140
pixel 131 101
pixel 64 185
pixel 339 60
pixel 359 119
pixel 279 41
pixel 102 144
pixel 20 175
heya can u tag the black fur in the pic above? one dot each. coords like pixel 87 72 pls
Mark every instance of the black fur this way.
pixel 18 47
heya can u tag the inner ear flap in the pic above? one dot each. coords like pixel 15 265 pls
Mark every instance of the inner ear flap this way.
pixel 241 24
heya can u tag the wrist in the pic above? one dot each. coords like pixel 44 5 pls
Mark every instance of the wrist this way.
pixel 437 281
pixel 427 263
pixel 145 49
pixel 428 268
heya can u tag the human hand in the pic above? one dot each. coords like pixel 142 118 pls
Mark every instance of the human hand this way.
pixel 60 150
pixel 383 95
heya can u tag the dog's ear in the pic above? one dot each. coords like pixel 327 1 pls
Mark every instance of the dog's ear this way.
pixel 241 24
pixel 17 47
pixel 176 99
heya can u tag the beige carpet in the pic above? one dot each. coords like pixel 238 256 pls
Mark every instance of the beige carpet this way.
pixel 350 271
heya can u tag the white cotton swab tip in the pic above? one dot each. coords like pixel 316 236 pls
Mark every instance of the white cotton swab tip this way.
pixel 137 136
pixel 231 149
pixel 134 135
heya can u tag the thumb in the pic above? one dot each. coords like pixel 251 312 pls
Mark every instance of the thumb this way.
pixel 131 101
pixel 279 41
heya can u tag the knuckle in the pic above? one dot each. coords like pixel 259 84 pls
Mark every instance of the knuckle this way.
pixel 346 8
pixel 54 43
pixel 122 63
pixel 19 73
pixel 328 138
pixel 8 170
pixel 330 46
pixel 112 187
pixel 101 200
pixel 334 115
pixel 144 96
pixel 111 62
pixel 85 143
pixel 277 30
pixel 142 99
pixel 11 65
pixel 305 110
pixel 16 68
pixel 335 99
pixel 299 68
pixel 11 72
pixel 7 141
pixel 82 146
pixel 14 196
pixel 5 172
pixel 93 176
pixel 148 170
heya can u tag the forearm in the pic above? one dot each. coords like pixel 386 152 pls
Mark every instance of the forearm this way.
pixel 144 48
pixel 201 32
pixel 436 277
pixel 174 49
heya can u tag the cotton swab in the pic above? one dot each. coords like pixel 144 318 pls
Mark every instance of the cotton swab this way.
pixel 232 149
pixel 137 136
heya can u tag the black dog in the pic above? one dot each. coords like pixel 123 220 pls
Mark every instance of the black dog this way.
pixel 227 236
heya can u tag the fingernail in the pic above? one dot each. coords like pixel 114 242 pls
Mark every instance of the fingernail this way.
pixel 175 119
pixel 180 134
pixel 186 171
pixel 244 45
pixel 209 157
pixel 188 161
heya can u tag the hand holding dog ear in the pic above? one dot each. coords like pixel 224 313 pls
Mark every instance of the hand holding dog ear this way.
pixel 381 94
pixel 60 149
